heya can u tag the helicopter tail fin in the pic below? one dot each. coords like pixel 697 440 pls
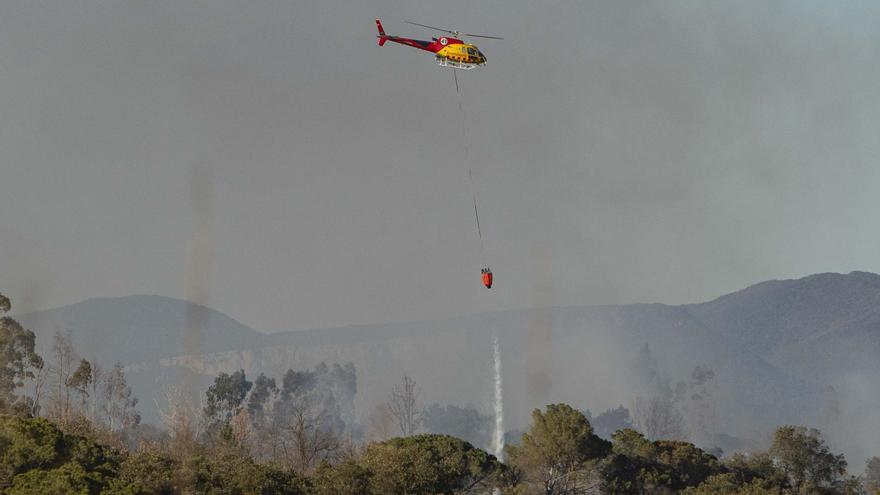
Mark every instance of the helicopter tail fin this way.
pixel 382 36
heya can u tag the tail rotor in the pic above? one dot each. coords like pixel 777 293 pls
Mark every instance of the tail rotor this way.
pixel 382 36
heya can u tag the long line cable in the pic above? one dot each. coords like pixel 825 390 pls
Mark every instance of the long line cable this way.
pixel 468 162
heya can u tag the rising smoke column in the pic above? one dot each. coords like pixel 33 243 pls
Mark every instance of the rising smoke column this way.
pixel 498 440
pixel 198 290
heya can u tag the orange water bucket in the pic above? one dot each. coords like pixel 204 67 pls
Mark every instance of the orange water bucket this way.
pixel 487 278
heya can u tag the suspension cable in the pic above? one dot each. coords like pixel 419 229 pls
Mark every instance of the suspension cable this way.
pixel 468 162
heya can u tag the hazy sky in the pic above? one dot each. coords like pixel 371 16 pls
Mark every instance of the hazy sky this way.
pixel 623 152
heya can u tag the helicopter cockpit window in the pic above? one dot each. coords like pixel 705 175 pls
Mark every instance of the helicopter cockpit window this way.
pixel 471 51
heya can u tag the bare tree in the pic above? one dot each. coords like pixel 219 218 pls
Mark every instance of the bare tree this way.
pixel 380 423
pixel 242 428
pixel 37 383
pixel 62 350
pixel 180 416
pixel 403 406
pixel 306 442
pixel 265 422
pixel 119 403
pixel 657 418
pixel 97 381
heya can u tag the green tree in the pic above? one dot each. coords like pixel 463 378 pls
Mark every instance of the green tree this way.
pixel 555 453
pixel 429 464
pixel 690 466
pixel 229 472
pixel 226 396
pixel 806 460
pixel 263 391
pixel 70 479
pixel 631 443
pixel 38 458
pixel 757 467
pixel 18 360
pixel 347 478
pixel 150 470
pixel 872 475
pixel 729 484
pixel 641 466
pixel 80 381
pixel 621 474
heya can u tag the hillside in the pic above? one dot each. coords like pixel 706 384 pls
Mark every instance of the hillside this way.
pixel 823 327
pixel 137 328
pixel 775 348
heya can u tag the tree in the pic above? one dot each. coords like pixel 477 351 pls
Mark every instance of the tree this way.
pixel 657 418
pixel 119 403
pixel 465 423
pixel 305 440
pixel 18 360
pixel 630 443
pixel 728 484
pixel 80 381
pixel 429 464
pixel 610 421
pixel 226 396
pixel 632 468
pixel 96 382
pixel 641 466
pixel 37 388
pixel 806 460
pixel 326 390
pixel 689 465
pixel 872 475
pixel 231 472
pixel 150 470
pixel 757 467
pixel 37 457
pixel 347 478
pixel 647 369
pixel 380 423
pixel 403 406
pixel 263 391
pixel 64 354
pixel 556 451
pixel 697 398
pixel 180 416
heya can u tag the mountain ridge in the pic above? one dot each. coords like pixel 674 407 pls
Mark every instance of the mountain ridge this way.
pixel 776 346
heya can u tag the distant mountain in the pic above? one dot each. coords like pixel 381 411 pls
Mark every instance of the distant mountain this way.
pixel 137 328
pixel 776 348
pixel 822 327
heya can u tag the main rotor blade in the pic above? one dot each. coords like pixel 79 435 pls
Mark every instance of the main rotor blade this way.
pixel 482 36
pixel 431 27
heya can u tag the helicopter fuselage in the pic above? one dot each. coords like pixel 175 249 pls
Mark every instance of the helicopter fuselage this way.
pixel 448 51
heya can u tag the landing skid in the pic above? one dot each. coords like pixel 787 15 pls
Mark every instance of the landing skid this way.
pixel 445 62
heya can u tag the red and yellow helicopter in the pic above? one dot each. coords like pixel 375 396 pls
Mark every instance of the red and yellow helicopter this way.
pixel 448 51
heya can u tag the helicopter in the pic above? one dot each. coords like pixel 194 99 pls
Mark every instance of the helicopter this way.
pixel 448 51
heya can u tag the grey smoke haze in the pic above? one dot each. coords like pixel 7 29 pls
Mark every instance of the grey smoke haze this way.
pixel 652 151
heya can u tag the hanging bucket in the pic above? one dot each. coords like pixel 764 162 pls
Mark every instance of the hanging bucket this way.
pixel 487 278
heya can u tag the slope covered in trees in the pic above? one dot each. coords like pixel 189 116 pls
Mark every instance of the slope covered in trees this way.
pixel 68 425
